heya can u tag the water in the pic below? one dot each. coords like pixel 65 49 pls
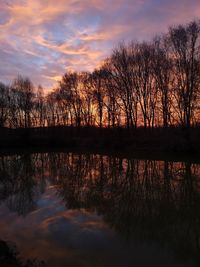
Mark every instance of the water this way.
pixel 91 210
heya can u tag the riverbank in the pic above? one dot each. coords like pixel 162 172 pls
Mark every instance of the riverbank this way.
pixel 120 139
pixel 142 141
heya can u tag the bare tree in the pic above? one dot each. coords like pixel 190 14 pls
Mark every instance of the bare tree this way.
pixel 96 79
pixel 123 77
pixel 186 66
pixel 144 82
pixel 111 102
pixel 162 71
pixel 4 104
pixel 53 116
pixel 22 102
pixel 87 98
pixel 70 93
pixel 40 107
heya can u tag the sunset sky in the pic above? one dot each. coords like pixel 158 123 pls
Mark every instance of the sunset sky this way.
pixel 42 39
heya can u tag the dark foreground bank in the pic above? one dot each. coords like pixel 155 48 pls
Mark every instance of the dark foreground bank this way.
pixel 9 257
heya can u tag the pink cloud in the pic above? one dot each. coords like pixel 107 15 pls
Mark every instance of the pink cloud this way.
pixel 36 36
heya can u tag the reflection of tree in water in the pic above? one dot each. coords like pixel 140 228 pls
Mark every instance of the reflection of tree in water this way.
pixel 18 183
pixel 144 200
pixel 140 199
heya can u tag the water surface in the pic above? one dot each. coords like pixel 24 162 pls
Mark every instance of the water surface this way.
pixel 92 210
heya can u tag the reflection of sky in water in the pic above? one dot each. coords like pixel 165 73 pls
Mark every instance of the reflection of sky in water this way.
pixel 75 238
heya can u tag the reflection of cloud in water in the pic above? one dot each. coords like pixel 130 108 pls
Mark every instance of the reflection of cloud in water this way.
pixel 79 230
pixel 75 238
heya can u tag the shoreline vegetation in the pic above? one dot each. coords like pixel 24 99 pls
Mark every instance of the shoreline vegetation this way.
pixel 172 142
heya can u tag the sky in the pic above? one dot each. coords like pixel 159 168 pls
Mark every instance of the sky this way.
pixel 42 39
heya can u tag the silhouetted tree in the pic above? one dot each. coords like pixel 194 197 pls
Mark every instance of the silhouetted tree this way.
pixel 22 101
pixel 97 81
pixel 186 66
pixel 162 72
pixel 123 75
pixel 4 105
pixel 70 94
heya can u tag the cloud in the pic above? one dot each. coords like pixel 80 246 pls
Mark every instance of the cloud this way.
pixel 41 39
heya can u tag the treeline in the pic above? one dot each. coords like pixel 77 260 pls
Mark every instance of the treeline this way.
pixel 149 84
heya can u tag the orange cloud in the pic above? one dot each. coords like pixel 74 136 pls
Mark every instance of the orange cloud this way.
pixel 36 36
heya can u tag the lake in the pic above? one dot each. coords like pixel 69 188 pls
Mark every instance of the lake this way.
pixel 69 209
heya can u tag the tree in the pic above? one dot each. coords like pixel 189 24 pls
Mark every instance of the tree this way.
pixel 111 100
pixel 162 71
pixel 40 107
pixel 4 105
pixel 86 85
pixel 96 79
pixel 122 70
pixel 69 91
pixel 144 82
pixel 185 51
pixel 23 95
